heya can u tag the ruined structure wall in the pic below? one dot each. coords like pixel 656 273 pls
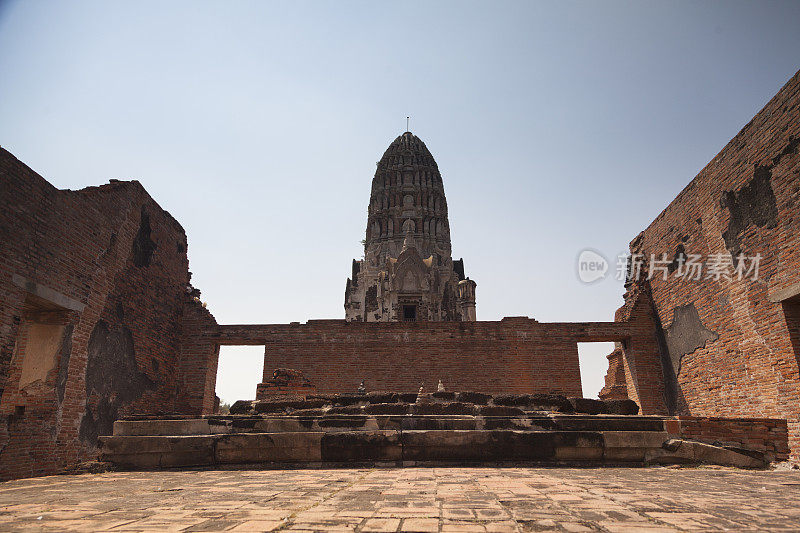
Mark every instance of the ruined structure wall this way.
pixel 759 434
pixel 199 356
pixel 637 361
pixel 514 355
pixel 93 283
pixel 728 347
pixel 482 356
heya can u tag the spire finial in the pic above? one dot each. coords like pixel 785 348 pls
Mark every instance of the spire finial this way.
pixel 408 119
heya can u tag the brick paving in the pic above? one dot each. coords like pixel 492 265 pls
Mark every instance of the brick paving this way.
pixel 410 499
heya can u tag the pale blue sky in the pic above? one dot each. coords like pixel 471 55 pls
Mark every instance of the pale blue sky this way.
pixel 556 126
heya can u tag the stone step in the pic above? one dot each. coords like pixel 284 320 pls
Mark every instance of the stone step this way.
pixel 412 447
pixel 338 423
pixel 470 403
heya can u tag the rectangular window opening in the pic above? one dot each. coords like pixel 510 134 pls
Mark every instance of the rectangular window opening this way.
pixel 409 313
pixel 239 371
pixel 594 365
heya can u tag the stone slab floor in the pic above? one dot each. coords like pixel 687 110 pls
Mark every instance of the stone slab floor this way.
pixel 410 499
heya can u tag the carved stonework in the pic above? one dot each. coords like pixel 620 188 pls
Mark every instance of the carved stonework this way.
pixel 407 272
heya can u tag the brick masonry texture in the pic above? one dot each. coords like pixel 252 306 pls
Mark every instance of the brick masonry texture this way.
pixel 487 357
pixel 729 348
pixel 615 500
pixel 759 434
pixel 513 355
pixel 107 268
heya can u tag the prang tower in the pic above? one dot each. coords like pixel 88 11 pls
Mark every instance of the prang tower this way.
pixel 407 272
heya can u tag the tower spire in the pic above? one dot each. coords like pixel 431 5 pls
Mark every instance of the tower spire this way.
pixel 408 119
pixel 407 216
pixel 408 241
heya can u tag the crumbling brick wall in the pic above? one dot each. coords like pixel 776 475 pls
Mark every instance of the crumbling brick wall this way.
pixel 199 356
pixel 513 355
pixel 488 357
pixel 93 285
pixel 637 360
pixel 764 435
pixel 727 346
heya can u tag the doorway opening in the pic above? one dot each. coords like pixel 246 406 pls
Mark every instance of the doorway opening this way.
pixel 593 364
pixel 239 370
pixel 409 313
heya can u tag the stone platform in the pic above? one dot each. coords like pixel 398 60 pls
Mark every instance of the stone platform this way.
pixel 610 500
pixel 440 428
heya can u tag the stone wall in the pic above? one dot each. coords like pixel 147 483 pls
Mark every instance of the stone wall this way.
pixel 93 285
pixel 728 347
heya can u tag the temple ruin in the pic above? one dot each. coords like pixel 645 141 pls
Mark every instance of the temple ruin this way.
pixel 106 348
pixel 407 272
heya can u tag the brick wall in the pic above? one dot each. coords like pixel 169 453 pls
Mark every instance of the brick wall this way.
pixel 761 434
pixel 514 355
pixel 728 347
pixel 197 376
pixel 110 266
pixel 639 359
pixel 485 357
